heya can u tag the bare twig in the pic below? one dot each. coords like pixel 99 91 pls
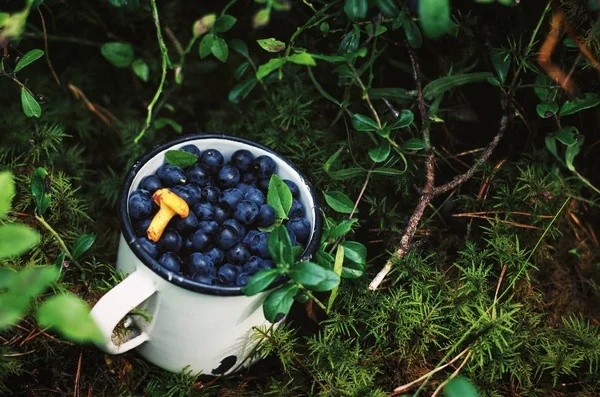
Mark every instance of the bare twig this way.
pixel 46 48
pixel 444 383
pixel 389 106
pixel 498 289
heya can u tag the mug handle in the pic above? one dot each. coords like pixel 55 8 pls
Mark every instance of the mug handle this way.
pixel 115 305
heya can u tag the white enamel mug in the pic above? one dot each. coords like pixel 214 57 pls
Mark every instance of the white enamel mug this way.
pixel 206 328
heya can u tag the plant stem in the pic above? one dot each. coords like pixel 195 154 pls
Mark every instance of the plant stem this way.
pixel 314 298
pixel 59 239
pixel 365 94
pixel 165 58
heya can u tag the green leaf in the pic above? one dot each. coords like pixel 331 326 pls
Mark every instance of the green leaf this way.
pixel 303 58
pixel 12 309
pixel 344 174
pixel 239 46
pixel 546 109
pixel 405 118
pixel 240 70
pixel 352 270
pixel 388 8
pixel 343 228
pixel 440 86
pixel 279 197
pixel 364 123
pixel 261 18
pixel 356 9
pixel 337 269
pixel 70 316
pixel 28 58
pixel 572 151
pixel 242 90
pixel 7 192
pixel 205 47
pixel 399 95
pixel 350 42
pixel 271 44
pixel 545 94
pixel 325 259
pixel 60 260
pixel 460 387
pixel 381 152
pixel 501 59
pixel 219 49
pixel 260 281
pixel 224 23
pixel 163 122
pixel 297 252
pixel 141 69
pixel 412 32
pixel 31 107
pixel 313 276
pixel 204 24
pixel 414 144
pixel 579 104
pixel 118 54
pixel 385 171
pixel 16 239
pixel 379 29
pixel 324 27
pixel 266 69
pixel 435 17
pixel 279 301
pixel 32 281
pixel 355 252
pixel 82 244
pixel 280 246
pixel 180 158
pixel 41 190
pixel 567 135
pixel 339 202
pixel 551 145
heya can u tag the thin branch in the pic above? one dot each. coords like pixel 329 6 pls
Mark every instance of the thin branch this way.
pixel 365 94
pixel 46 48
pixel 444 383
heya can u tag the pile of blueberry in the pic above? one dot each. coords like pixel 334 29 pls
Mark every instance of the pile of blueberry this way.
pixel 219 241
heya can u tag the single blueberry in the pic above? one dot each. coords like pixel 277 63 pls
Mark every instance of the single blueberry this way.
pixel 242 279
pixel 201 240
pixel 231 197
pixel 242 159
pixel 170 241
pixel 199 263
pixel 193 149
pixel 149 246
pixel 170 261
pixel 216 255
pixel 252 265
pixel 266 216
pixel 264 166
pixel 204 279
pixel 259 245
pixel 237 225
pixel 229 176
pixel 182 192
pixel 293 188
pixel 296 210
pixel 221 212
pixel 195 192
pixel 210 227
pixel 256 196
pixel 244 187
pixel 246 212
pixel 212 159
pixel 263 184
pixel 249 236
pixel 300 227
pixel 211 194
pixel 171 175
pixel 266 264
pixel 227 237
pixel 188 244
pixel 140 204
pixel 249 177
pixel 141 227
pixel 204 211
pixel 238 254
pixel 184 225
pixel 198 174
pixel 151 183
pixel 227 273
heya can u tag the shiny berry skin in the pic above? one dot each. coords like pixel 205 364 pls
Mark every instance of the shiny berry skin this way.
pixel 249 177
pixel 259 245
pixel 210 227
pixel 252 265
pixel 199 263
pixel 212 159
pixel 151 183
pixel 296 210
pixel 231 197
pixel 185 225
pixel 227 237
pixel 293 188
pixel 238 254
pixel 204 279
pixel 242 159
pixel 141 227
pixel 195 192
pixel 170 261
pixel 170 241
pixel 263 184
pixel 256 196
pixel 211 194
pixel 204 211
pixel 237 225
pixel 188 244
pixel 149 246
pixel 171 175
pixel 227 273
pixel 198 174
pixel 221 212
pixel 140 204
pixel 246 212
pixel 201 240
pixel 229 177
pixel 300 227
pixel 193 149
pixel 216 255
pixel 242 279
pixel 189 194
pixel 266 264
pixel 249 236
pixel 266 216
pixel 264 166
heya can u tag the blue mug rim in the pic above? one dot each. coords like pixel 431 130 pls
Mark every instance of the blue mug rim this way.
pixel 152 264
